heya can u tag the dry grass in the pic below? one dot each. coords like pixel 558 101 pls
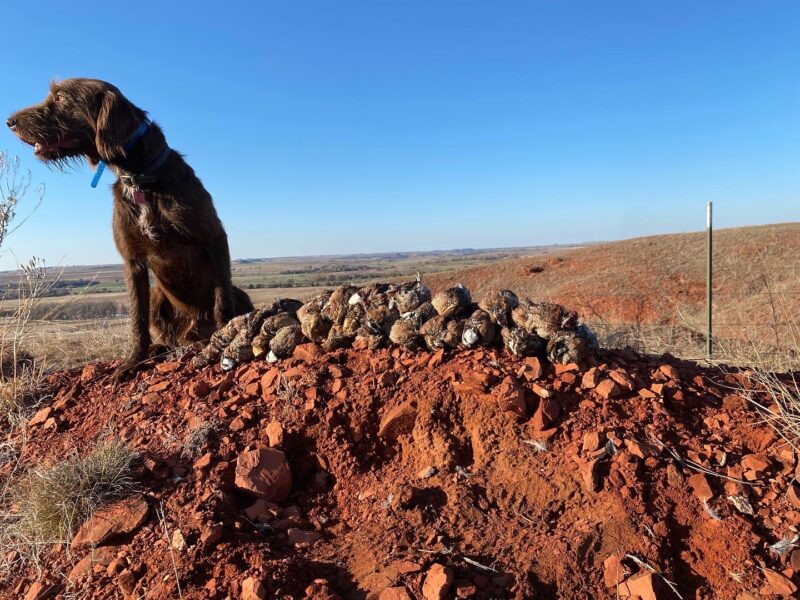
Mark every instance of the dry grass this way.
pixel 198 439
pixel 51 501
pixel 22 394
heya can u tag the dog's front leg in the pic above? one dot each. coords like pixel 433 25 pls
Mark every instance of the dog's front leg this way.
pixel 223 287
pixel 138 285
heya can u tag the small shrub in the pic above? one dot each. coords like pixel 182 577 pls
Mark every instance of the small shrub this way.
pixel 53 500
pixel 20 395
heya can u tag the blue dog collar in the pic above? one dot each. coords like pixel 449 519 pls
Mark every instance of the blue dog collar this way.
pixel 137 135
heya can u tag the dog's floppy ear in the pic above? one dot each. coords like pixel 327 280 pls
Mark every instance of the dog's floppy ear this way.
pixel 116 122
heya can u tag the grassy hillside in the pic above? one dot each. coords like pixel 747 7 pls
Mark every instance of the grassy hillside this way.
pixel 658 285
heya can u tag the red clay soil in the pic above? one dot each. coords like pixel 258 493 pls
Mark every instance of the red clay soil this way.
pixel 418 476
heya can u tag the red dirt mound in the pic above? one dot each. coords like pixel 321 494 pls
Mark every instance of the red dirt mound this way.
pixel 393 475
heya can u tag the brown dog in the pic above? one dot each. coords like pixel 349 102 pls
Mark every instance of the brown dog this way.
pixel 164 218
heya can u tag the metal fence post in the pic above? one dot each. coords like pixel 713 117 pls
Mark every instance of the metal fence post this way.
pixel 709 281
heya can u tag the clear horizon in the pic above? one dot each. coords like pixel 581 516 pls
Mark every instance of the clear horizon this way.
pixel 359 128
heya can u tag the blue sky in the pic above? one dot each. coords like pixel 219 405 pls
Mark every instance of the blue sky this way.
pixel 335 127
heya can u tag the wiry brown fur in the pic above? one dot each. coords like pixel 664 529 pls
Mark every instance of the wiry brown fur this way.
pixel 176 233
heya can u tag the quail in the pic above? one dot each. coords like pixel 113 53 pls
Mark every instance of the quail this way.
pixel 284 342
pixel 408 296
pixel 478 330
pixel 337 338
pixel 572 346
pixel 499 304
pixel 314 326
pixel 269 328
pixel 441 332
pixel 229 341
pixel 519 342
pixel 452 302
pixel 545 319
pixel 335 307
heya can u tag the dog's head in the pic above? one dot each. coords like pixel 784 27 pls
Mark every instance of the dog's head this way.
pixel 78 118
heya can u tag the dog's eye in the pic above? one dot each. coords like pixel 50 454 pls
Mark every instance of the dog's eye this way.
pixel 58 98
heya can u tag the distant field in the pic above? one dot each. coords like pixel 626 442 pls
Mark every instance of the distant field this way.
pixel 99 291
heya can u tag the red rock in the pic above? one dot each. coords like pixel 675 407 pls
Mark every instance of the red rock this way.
pixel 294 372
pixel 40 590
pixel 253 589
pixel 641 449
pixel 436 359
pixel 613 571
pixel 593 441
pixel 264 473
pixel 252 389
pixel 607 388
pixel 203 462
pixel 590 473
pixel 261 511
pixel 238 424
pixel 670 372
pixel 395 593
pixel 466 590
pixel 307 352
pixel 268 380
pixel 387 379
pixel 298 537
pixel 92 372
pixel 438 581
pixel 274 433
pixel 199 389
pixel 535 369
pixel 126 581
pixel 793 494
pixel 700 486
pixel 540 391
pixel 590 379
pixel 755 462
pixel 210 536
pixel 794 560
pixel 647 586
pixel 622 379
pixel 40 417
pixel 168 367
pixel 511 397
pixel 568 368
pixel 398 421
pixel 338 372
pixel 546 414
pixel 777 584
pixel 158 387
pixel 120 518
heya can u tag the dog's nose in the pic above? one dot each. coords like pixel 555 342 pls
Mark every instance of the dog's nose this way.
pixel 11 123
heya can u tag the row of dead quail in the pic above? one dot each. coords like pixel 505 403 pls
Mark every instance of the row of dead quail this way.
pixel 405 314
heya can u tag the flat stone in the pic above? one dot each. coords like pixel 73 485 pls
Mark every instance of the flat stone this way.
pixel 777 584
pixel 274 433
pixel 299 537
pixel 607 388
pixel 395 593
pixel 546 414
pixel 253 589
pixel 511 397
pixel 700 486
pixel 264 473
pixel 438 581
pixel 120 518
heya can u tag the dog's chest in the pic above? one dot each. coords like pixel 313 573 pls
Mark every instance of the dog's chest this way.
pixel 140 209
